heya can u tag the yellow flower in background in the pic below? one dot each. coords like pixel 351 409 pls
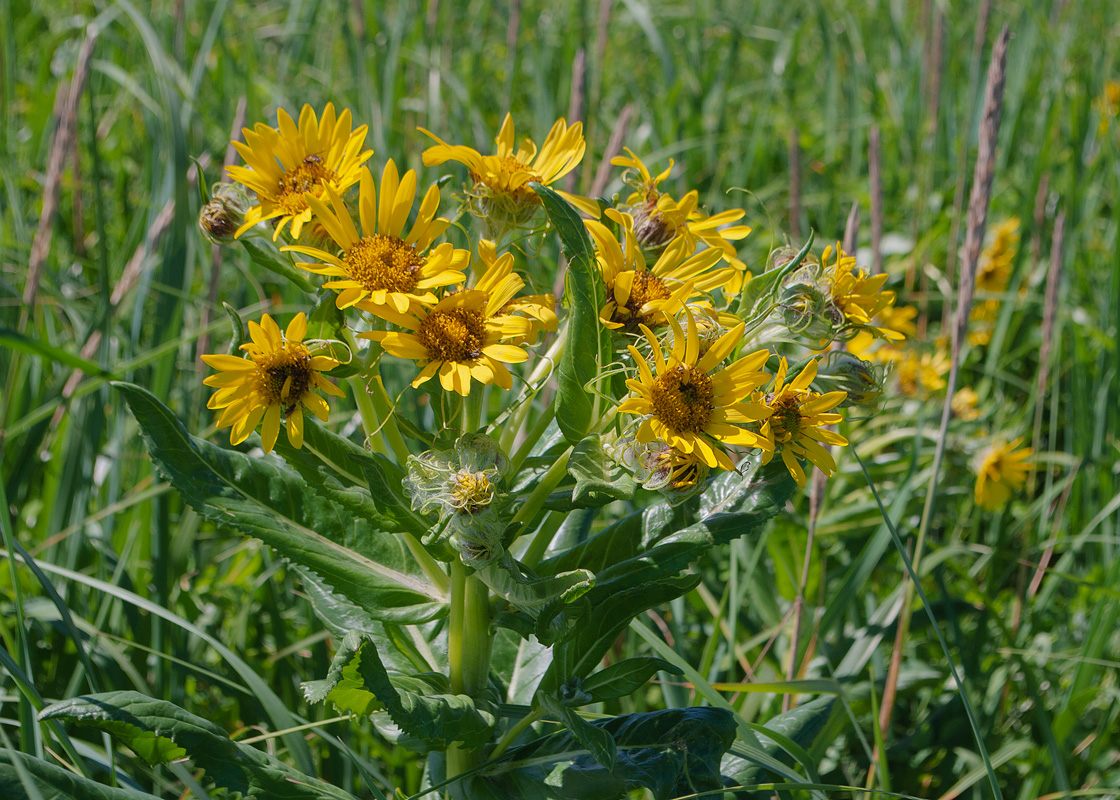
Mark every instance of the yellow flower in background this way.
pixel 1000 470
pixel 382 267
pixel 464 336
pixel 896 319
pixel 502 179
pixel 920 374
pixel 994 271
pixel 795 425
pixel 965 404
pixel 285 164
pixel 278 378
pixel 499 278
pixel 689 403
pixel 659 218
pixel 858 295
pixel 1108 103
pixel 638 294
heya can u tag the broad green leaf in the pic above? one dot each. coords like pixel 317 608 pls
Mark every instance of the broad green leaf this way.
pixel 624 678
pixel 160 731
pixel 673 753
pixel 520 587
pixel 265 254
pixel 52 782
pixel 370 567
pixel 786 738
pixel 588 344
pixel 592 469
pixel 594 738
pixel 581 650
pixel 422 706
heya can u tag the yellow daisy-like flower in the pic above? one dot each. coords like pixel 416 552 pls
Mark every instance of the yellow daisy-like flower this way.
pixel 994 271
pixel 499 278
pixel 382 267
pixel 795 426
pixel 1108 103
pixel 659 218
pixel 965 404
pixel 858 295
pixel 465 335
pixel 638 295
pixel 286 163
pixel 278 378
pixel 503 178
pixel 1000 470
pixel 919 374
pixel 691 404
pixel 895 319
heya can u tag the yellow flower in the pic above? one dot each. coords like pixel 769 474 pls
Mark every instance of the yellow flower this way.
pixel 639 295
pixel 1108 103
pixel 795 425
pixel 464 336
pixel 919 374
pixel 659 218
pixel 499 279
pixel 1000 469
pixel 691 404
pixel 964 404
pixel 859 296
pixel 994 271
pixel 383 268
pixel 288 162
pixel 895 319
pixel 502 180
pixel 278 377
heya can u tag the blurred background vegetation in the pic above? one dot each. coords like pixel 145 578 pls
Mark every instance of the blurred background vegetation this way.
pixel 108 109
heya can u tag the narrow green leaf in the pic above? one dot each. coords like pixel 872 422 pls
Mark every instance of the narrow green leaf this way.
pixel 48 352
pixel 588 344
pixel 372 568
pixel 51 782
pixel 624 678
pixel 786 735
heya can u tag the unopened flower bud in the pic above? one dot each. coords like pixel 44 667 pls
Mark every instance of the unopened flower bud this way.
pixel 840 371
pixel 224 214
pixel 804 310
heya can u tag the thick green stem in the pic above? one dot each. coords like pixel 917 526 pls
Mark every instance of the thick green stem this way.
pixel 468 652
pixel 515 731
pixel 535 501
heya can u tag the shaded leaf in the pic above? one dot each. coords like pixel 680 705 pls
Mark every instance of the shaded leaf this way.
pixel 52 782
pixel 594 738
pixel 371 568
pixel 520 587
pixel 592 469
pixel 785 738
pixel 624 678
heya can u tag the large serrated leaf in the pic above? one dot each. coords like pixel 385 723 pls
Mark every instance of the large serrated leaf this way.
pixel 514 582
pixel 673 753
pixel 370 567
pixel 588 344
pixel 52 782
pixel 139 722
pixel 596 485
pixel 422 706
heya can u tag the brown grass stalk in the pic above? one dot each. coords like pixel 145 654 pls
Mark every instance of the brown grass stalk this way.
pixel 575 106
pixel 795 184
pixel 874 168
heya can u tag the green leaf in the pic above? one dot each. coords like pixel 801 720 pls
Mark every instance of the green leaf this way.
pixel 265 254
pixel 588 344
pixel 160 731
pixel 422 706
pixel 23 777
pixel 759 290
pixel 585 644
pixel 785 738
pixel 370 567
pixel 48 352
pixel 624 678
pixel 325 326
pixel 592 469
pixel 594 738
pixel 520 587
pixel 673 753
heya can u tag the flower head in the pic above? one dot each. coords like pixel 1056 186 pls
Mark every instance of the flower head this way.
pixel 1000 469
pixel 286 163
pixel 691 404
pixel 501 181
pixel 660 467
pixel 382 268
pixel 965 404
pixel 994 270
pixel 638 295
pixel 659 218
pixel 857 295
pixel 220 218
pixel 278 378
pixel 795 426
pixel 465 335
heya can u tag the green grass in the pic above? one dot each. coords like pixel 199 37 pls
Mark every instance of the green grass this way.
pixel 134 591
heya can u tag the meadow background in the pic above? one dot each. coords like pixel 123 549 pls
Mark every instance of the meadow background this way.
pixel 108 109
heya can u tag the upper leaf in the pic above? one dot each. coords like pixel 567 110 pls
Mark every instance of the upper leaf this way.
pixel 372 568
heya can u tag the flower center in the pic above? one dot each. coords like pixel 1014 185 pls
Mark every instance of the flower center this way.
pixel 284 376
pixel 682 399
pixel 383 263
pixel 786 420
pixel 645 289
pixel 471 491
pixel 508 169
pixel 308 176
pixel 453 335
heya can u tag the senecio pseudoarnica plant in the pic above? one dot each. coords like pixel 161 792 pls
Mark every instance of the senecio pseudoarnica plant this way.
pixel 537 471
